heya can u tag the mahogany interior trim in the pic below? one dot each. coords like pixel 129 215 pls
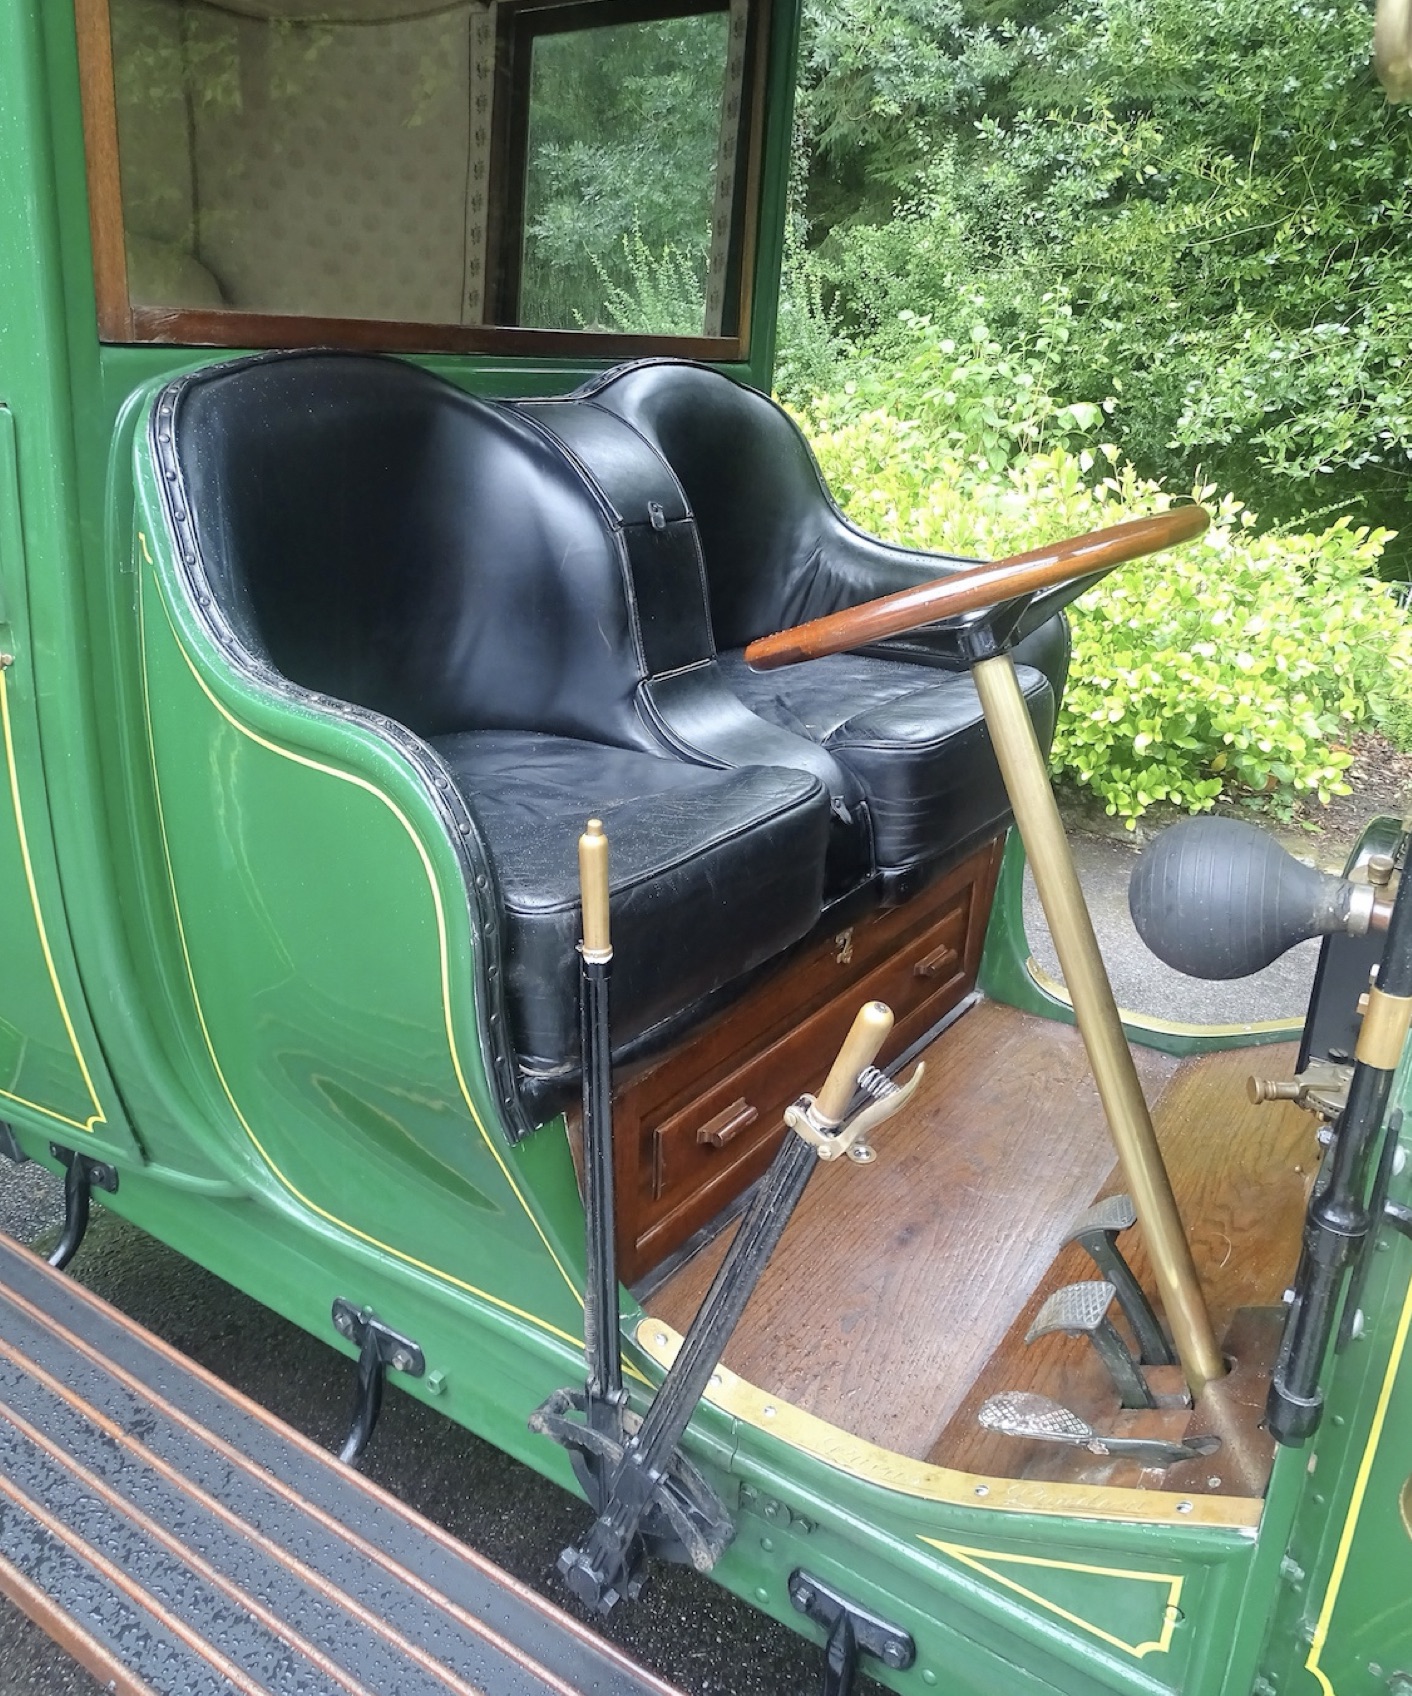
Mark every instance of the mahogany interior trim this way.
pixel 98 101
pixel 227 327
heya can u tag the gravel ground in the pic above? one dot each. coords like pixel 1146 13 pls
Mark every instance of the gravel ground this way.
pixel 685 1627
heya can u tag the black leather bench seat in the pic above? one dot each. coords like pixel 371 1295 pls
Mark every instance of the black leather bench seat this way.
pixel 913 737
pixel 711 873
pixel 554 594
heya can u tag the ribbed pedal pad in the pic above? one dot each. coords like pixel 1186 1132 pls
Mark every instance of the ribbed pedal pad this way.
pixel 1081 1310
pixel 1023 1413
pixel 1114 1213
pixel 1078 1309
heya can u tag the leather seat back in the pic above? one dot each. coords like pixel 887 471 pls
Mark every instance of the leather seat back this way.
pixel 378 536
pixel 777 549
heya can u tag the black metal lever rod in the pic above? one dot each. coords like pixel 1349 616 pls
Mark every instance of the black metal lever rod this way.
pixel 1340 1212
pixel 604 1399
pixel 606 1566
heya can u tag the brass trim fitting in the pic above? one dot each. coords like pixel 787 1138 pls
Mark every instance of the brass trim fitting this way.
pixel 597 945
pixel 1384 1029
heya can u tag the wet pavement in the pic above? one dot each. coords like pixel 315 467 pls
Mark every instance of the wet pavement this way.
pixel 685 1627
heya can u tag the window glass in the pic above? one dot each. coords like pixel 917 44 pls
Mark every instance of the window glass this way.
pixel 624 138
pixel 342 159
pixel 290 167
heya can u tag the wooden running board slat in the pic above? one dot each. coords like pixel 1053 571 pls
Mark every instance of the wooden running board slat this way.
pixel 177 1539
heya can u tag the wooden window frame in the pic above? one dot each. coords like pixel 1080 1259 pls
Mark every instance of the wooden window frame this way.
pixel 120 321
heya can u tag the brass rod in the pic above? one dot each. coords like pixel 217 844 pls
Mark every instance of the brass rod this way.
pixel 866 1035
pixel 1022 765
pixel 593 885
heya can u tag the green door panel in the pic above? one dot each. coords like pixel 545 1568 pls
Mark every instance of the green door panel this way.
pixel 52 1078
pixel 325 954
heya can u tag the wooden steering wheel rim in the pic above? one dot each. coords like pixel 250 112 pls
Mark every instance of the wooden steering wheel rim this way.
pixel 984 586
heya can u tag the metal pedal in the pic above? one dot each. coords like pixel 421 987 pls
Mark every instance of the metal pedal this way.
pixel 1081 1310
pixel 1022 1413
pixel 1096 1232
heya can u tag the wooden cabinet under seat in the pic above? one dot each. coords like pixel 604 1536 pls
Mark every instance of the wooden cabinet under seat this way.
pixel 695 1127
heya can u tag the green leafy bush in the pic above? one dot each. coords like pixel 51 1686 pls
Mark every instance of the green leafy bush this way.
pixel 1240 663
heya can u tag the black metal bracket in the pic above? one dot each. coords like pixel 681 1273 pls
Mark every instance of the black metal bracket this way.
pixel 81 1177
pixel 10 1145
pixel 379 1347
pixel 1399 1217
pixel 676 1514
pixel 852 1631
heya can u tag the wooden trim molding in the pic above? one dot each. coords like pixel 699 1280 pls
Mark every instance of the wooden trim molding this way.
pixel 217 327
pixel 122 321
pixel 100 147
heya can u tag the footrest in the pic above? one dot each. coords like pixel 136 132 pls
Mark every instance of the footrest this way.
pixel 176 1538
pixel 1023 1413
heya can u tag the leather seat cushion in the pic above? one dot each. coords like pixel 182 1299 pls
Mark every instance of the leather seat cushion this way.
pixel 711 873
pixel 915 739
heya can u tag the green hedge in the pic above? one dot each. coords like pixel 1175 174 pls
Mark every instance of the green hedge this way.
pixel 1240 662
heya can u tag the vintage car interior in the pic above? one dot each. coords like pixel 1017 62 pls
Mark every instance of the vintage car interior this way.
pixel 530 589
pixel 550 599
pixel 541 596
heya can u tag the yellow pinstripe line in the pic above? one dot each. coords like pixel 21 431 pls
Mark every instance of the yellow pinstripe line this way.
pixel 98 1117
pixel 1360 1487
pixel 288 1184
pixel 976 1559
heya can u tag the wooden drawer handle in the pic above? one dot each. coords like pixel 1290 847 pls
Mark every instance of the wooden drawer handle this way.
pixel 938 961
pixel 728 1123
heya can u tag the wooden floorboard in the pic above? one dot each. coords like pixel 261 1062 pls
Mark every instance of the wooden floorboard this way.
pixel 896 1282
pixel 1241 1175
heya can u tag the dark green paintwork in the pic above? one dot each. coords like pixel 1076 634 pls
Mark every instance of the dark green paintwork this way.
pixel 242 909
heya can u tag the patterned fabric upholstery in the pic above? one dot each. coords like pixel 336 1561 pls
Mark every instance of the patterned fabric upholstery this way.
pixel 326 168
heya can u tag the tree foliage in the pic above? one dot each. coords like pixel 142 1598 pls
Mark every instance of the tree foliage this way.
pixel 1212 197
pixel 624 128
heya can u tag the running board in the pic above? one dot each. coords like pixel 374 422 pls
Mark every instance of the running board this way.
pixel 175 1538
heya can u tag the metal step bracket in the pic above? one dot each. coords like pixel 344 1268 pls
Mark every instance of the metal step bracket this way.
pixel 852 1631
pixel 81 1177
pixel 379 1347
